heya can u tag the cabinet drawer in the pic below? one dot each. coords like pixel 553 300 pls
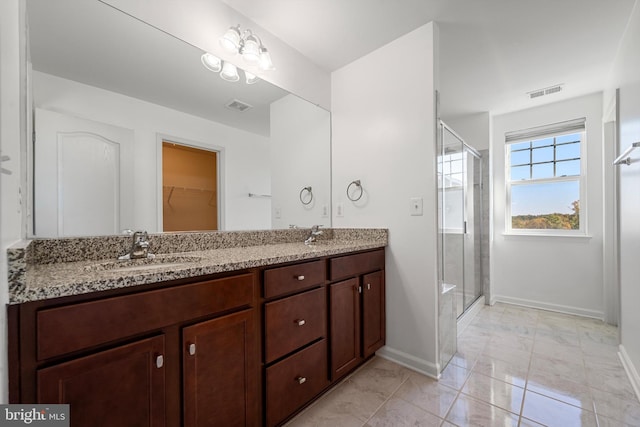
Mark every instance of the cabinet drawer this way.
pixel 294 381
pixel 283 280
pixel 354 265
pixel 293 322
pixel 75 327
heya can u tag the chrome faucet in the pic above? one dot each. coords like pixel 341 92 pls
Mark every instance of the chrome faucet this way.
pixel 139 247
pixel 315 231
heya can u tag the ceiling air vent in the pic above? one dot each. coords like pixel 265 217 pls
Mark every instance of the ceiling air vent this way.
pixel 545 91
pixel 237 105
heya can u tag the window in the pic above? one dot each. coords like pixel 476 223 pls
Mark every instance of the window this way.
pixel 545 179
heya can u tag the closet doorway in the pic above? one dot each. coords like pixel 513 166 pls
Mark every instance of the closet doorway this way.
pixel 190 192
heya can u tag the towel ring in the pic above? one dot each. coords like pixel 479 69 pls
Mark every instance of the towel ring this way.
pixel 308 190
pixel 358 185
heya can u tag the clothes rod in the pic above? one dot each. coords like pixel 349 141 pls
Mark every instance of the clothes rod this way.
pixel 624 157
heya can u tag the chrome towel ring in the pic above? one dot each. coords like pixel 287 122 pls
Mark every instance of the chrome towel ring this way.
pixel 358 186
pixel 309 196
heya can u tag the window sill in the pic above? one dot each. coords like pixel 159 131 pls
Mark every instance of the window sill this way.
pixel 570 236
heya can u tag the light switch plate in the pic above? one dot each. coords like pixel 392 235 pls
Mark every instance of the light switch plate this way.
pixel 277 213
pixel 415 206
pixel 325 211
pixel 339 209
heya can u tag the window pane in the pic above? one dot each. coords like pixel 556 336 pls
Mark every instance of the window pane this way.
pixel 520 157
pixel 446 168
pixel 544 170
pixel 554 205
pixel 456 166
pixel 542 142
pixel 520 146
pixel 520 172
pixel 569 151
pixel 543 155
pixel 456 180
pixel 569 168
pixel 568 138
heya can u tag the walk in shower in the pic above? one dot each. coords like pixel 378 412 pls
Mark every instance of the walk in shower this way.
pixel 459 238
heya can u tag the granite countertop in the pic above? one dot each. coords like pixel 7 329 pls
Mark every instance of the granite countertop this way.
pixel 38 281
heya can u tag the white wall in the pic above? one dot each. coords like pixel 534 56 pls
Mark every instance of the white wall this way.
pixel 245 169
pixel 299 135
pixel 558 273
pixel 11 132
pixel 626 76
pixel 202 22
pixel 473 128
pixel 384 135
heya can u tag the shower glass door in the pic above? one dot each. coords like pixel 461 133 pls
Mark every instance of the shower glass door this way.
pixel 460 186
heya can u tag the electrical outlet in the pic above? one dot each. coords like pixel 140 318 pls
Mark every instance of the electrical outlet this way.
pixel 325 211
pixel 277 213
pixel 415 206
pixel 339 209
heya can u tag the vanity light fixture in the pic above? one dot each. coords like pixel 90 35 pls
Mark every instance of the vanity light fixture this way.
pixel 250 78
pixel 249 45
pixel 227 70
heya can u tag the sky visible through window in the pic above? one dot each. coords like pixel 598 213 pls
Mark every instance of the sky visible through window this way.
pixel 543 159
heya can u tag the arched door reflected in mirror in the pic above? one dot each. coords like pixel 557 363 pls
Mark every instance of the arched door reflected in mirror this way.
pixel 189 188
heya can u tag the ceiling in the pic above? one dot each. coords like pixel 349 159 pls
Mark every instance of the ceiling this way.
pixel 492 52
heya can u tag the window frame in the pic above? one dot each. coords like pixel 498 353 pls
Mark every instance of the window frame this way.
pixel 581 179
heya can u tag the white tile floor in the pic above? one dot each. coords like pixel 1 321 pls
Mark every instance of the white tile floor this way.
pixel 515 366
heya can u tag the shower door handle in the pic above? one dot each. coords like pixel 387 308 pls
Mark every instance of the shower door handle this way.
pixel 464 227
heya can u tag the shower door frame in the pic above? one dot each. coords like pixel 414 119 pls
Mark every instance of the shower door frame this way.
pixel 477 230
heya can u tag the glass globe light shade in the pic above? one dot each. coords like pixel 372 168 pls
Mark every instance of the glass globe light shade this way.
pixel 229 72
pixel 211 62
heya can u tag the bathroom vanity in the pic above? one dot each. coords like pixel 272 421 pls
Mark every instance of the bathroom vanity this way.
pixel 244 335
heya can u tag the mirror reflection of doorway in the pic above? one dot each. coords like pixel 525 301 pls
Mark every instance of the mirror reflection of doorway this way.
pixel 189 188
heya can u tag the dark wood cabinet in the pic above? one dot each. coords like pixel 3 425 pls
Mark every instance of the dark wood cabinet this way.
pixel 373 313
pixel 299 363
pixel 124 386
pixel 185 354
pixel 220 388
pixel 357 310
pixel 247 348
pixel 345 327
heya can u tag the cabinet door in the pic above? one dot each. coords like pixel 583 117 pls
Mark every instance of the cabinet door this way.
pixel 221 372
pixel 373 316
pixel 124 386
pixel 345 327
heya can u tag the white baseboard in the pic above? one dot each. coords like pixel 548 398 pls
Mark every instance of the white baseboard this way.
pixel 630 369
pixel 595 314
pixel 408 361
pixel 468 316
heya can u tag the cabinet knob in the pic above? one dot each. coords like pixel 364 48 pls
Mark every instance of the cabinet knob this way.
pixel 300 322
pixel 159 361
pixel 192 349
pixel 301 380
pixel 300 278
pixel 368 286
pixel 359 289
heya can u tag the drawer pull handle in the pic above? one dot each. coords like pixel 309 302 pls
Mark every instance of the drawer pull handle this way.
pixel 159 361
pixel 301 380
pixel 368 286
pixel 300 322
pixel 300 278
pixel 192 349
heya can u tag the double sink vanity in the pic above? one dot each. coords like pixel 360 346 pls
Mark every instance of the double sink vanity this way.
pixel 219 329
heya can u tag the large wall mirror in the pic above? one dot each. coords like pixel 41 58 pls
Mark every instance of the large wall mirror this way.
pixel 113 98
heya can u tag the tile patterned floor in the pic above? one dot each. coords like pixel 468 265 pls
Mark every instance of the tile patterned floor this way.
pixel 515 366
